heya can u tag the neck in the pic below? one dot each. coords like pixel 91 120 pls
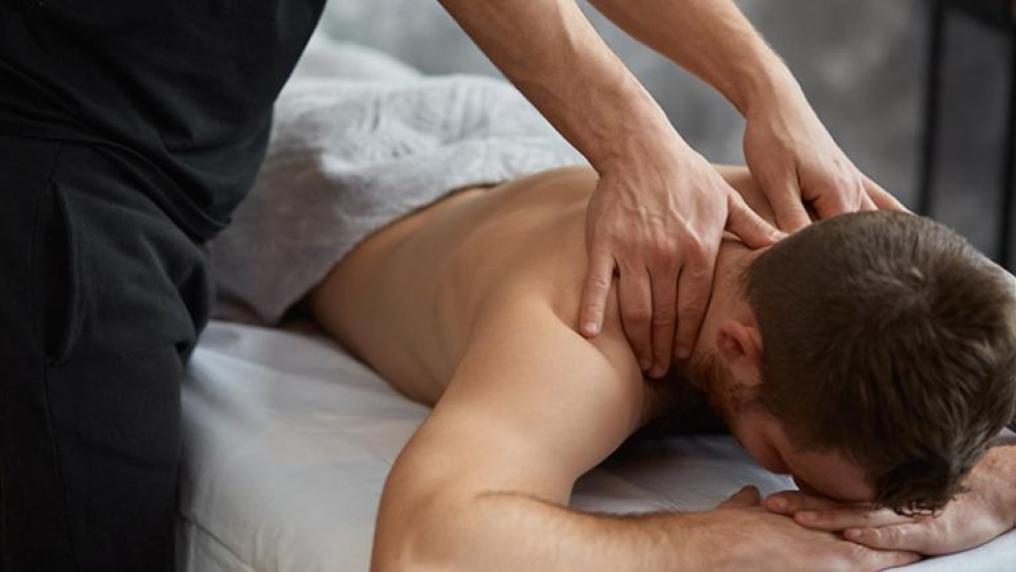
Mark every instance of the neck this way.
pixel 695 377
pixel 727 301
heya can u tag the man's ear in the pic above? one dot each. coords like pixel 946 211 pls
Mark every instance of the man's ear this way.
pixel 740 346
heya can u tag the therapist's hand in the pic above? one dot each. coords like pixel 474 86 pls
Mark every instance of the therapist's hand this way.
pixel 657 217
pixel 797 163
pixel 986 510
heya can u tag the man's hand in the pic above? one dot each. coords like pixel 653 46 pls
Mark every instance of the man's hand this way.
pixel 658 218
pixel 986 510
pixel 797 164
pixel 758 540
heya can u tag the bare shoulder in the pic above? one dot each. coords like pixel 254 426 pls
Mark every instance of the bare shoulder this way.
pixel 531 407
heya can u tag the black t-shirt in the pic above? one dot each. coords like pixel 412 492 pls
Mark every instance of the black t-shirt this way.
pixel 179 92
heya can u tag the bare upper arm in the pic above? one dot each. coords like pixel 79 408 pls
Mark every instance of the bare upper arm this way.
pixel 531 407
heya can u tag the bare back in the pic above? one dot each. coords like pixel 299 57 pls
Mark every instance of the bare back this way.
pixel 406 300
pixel 471 305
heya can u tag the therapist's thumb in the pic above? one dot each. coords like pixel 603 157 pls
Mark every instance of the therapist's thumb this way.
pixel 752 229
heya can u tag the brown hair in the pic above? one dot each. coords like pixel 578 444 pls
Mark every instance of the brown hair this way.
pixel 888 337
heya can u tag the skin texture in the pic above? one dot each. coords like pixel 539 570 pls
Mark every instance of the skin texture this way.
pixel 472 305
pixel 659 211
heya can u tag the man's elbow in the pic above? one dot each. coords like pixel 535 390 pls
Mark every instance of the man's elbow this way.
pixel 419 531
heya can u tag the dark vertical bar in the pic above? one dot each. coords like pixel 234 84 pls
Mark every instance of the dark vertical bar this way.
pixel 929 141
pixel 1008 168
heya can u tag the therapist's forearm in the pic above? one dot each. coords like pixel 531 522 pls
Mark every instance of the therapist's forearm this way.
pixel 549 50
pixel 710 38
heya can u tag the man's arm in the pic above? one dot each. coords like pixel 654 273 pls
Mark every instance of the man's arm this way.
pixel 484 484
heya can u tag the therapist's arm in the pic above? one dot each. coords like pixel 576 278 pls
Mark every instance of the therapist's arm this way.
pixel 786 146
pixel 484 484
pixel 710 38
pixel 659 211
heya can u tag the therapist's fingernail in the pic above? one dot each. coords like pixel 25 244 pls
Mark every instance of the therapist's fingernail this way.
pixel 657 371
pixel 683 352
pixel 806 516
pixel 590 328
pixel 853 533
pixel 644 364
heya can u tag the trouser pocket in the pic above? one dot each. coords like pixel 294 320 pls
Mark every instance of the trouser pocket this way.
pixel 58 277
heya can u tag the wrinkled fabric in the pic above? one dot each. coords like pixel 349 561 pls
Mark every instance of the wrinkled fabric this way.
pixel 288 441
pixel 350 152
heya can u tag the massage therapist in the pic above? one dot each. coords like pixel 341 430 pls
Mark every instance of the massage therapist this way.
pixel 130 131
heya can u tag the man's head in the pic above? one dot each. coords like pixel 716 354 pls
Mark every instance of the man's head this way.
pixel 872 355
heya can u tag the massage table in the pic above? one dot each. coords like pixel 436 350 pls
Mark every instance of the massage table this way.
pixel 288 440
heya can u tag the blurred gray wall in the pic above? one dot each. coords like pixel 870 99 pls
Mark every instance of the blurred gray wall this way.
pixel 861 63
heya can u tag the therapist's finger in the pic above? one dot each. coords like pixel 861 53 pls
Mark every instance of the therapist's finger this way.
pixel 867 204
pixel 837 199
pixel 753 230
pixel 784 195
pixel 694 287
pixel 635 297
pixel 664 284
pixel 882 198
pixel 595 289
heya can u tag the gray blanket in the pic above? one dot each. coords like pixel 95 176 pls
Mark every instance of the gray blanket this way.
pixel 360 140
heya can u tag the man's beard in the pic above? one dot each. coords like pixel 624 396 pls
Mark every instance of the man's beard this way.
pixel 726 397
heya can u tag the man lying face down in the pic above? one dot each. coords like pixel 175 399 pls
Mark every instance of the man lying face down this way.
pixel 872 356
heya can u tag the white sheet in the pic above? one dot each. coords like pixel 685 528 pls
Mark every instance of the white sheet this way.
pixel 288 442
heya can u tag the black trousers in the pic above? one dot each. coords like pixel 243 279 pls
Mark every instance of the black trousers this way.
pixel 101 300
